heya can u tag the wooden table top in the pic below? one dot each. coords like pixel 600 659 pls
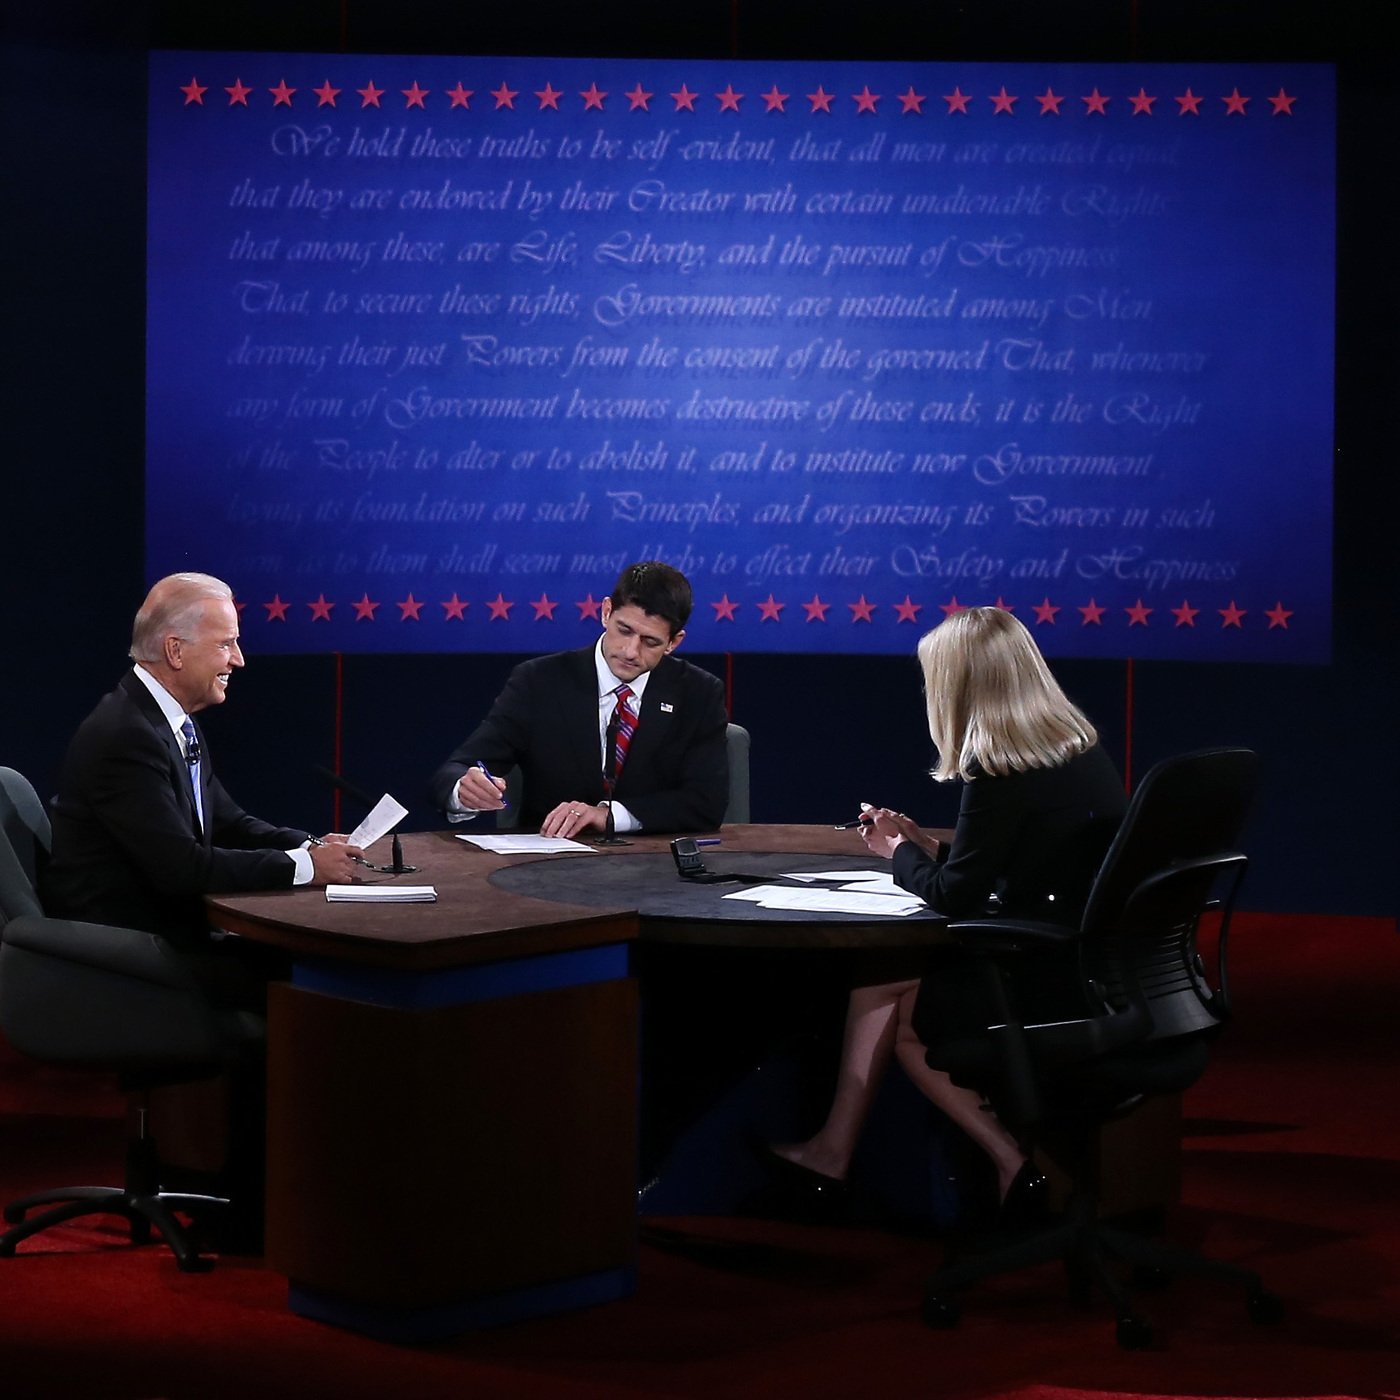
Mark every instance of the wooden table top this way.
pixel 474 921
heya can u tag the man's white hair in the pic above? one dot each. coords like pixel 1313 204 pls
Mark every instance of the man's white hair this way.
pixel 171 609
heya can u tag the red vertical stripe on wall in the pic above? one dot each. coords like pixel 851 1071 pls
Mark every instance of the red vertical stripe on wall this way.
pixel 1128 730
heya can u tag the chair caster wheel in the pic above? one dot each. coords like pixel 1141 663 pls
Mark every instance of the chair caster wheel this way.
pixel 1265 1308
pixel 940 1312
pixel 1134 1333
pixel 1150 1279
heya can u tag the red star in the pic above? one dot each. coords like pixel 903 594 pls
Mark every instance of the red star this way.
pixel 774 100
pixel 1093 613
pixel 860 612
pixel 1044 612
pixel 816 609
pixel 549 96
pixel 326 94
pixel 370 94
pixel 320 609
pixel 685 98
pixel 455 607
pixel 821 99
pixel 1231 615
pixel 956 102
pixel 1282 104
pixel 1095 102
pixel 282 94
pixel 500 609
pixel 768 611
pixel 276 609
pixel 865 100
pixel 544 607
pixel 911 101
pixel 1142 103
pixel 364 609
pixel 593 98
pixel 1003 102
pixel 460 96
pixel 1049 102
pixel 1190 103
pixel 1234 104
pixel 729 100
pixel 952 606
pixel 724 609
pixel 637 98
pixel 504 97
pixel 907 611
pixel 410 608
pixel 588 608
pixel 1137 614
pixel 1278 616
pixel 195 93
pixel 238 94
pixel 1005 607
pixel 415 95
pixel 1185 615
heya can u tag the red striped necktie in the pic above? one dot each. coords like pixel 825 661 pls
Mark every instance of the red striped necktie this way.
pixel 625 719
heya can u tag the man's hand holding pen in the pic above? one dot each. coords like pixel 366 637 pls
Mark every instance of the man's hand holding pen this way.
pixel 479 791
pixel 334 860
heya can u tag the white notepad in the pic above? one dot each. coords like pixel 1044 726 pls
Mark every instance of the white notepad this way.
pixel 829 901
pixel 523 845
pixel 380 894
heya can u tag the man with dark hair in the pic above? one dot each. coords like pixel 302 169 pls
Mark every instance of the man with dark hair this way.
pixel 622 719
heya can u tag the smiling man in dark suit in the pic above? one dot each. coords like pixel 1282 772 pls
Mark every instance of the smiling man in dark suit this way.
pixel 142 829
pixel 621 718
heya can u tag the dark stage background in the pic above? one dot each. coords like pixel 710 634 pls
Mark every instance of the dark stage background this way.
pixel 828 731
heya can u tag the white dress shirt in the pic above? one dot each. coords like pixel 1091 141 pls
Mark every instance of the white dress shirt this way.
pixel 176 718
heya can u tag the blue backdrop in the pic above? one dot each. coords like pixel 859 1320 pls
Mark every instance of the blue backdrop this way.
pixel 436 345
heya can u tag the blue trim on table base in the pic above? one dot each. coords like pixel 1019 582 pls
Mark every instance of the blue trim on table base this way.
pixel 444 1320
pixel 457 986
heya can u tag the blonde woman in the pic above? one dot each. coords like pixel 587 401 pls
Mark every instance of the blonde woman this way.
pixel 1040 803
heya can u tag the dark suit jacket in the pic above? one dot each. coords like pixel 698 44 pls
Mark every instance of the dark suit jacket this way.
pixel 127 848
pixel 545 722
pixel 1035 839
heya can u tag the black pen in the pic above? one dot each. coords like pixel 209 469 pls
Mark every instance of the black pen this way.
pixel 865 819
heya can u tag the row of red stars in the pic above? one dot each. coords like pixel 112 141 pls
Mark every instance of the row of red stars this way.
pixel 770 610
pixel 1188 103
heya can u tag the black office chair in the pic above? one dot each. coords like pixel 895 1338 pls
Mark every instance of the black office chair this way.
pixel 1150 1013
pixel 94 996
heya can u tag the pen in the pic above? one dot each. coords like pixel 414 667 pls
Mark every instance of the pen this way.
pixel 491 777
pixel 850 826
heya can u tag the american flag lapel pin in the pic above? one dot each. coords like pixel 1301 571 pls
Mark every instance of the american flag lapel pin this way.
pixel 667 709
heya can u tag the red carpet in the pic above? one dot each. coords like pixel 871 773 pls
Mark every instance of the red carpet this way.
pixel 1292 1164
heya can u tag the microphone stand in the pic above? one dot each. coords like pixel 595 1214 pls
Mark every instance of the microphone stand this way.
pixel 610 836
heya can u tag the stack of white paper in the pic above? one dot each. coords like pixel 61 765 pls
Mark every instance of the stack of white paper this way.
pixel 829 901
pixel 523 845
pixel 380 894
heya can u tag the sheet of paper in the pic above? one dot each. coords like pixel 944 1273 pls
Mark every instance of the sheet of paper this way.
pixel 380 894
pixel 839 877
pixel 387 814
pixel 523 845
pixel 883 885
pixel 829 901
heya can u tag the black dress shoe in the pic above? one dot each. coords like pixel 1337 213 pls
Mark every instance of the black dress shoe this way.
pixel 1027 1199
pixel 826 1197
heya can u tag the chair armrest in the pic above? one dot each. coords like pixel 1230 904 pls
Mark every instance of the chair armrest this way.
pixel 1011 935
pixel 125 951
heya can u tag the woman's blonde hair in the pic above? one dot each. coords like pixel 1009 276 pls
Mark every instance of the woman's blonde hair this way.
pixel 993 706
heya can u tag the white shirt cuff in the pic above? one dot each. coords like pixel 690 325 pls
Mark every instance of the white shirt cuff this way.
pixel 305 871
pixel 623 820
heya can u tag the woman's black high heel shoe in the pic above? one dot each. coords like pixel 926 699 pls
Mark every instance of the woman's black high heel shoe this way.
pixel 827 1196
pixel 1027 1199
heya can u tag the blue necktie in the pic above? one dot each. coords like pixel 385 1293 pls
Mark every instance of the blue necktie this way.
pixel 192 757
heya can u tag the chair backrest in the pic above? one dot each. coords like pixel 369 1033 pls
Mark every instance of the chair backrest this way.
pixel 737 747
pixel 25 839
pixel 1175 847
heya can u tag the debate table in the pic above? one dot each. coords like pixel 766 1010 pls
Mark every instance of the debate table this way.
pixel 452 1087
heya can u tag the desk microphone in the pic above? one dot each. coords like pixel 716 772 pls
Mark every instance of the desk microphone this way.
pixel 360 795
